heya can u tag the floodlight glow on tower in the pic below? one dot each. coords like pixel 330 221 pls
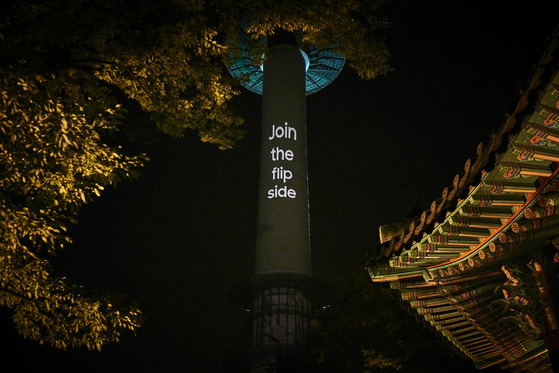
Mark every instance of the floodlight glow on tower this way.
pixel 284 293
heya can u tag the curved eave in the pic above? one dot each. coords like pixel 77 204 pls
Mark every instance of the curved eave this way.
pixel 448 263
pixel 498 187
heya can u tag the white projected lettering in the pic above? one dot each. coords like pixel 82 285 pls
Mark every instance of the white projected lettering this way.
pixel 281 174
pixel 278 154
pixel 281 132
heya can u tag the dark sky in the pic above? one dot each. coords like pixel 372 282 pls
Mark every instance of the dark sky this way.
pixel 180 236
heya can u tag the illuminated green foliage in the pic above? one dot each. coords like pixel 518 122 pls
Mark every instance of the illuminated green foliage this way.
pixel 69 73
pixel 352 28
pixel 52 161
pixel 161 54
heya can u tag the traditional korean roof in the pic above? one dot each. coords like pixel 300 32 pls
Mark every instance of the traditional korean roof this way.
pixel 474 264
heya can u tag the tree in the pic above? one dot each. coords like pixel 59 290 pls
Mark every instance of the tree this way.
pixel 69 73
pixel 351 28
pixel 52 161
pixel 367 330
pixel 163 55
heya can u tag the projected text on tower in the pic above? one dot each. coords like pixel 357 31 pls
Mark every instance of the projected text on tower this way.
pixel 281 174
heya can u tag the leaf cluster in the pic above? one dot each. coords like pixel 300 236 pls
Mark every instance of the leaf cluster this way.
pixel 351 28
pixel 162 55
pixel 67 72
pixel 52 161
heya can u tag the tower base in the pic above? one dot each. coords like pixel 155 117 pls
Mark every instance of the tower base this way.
pixel 282 306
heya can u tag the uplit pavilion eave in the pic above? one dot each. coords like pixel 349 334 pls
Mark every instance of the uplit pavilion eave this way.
pixel 458 264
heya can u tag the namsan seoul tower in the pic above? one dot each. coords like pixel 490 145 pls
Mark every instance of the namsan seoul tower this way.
pixel 284 295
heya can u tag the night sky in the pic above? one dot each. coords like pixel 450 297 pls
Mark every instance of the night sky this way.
pixel 177 238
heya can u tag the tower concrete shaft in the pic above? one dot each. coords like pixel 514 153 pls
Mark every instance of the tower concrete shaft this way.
pixel 284 296
pixel 282 307
pixel 283 239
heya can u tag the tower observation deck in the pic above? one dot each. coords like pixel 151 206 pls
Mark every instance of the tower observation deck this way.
pixel 284 295
pixel 322 67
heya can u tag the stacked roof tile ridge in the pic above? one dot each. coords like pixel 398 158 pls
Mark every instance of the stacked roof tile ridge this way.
pixel 403 235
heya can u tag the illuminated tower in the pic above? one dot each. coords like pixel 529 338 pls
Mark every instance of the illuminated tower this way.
pixel 284 294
